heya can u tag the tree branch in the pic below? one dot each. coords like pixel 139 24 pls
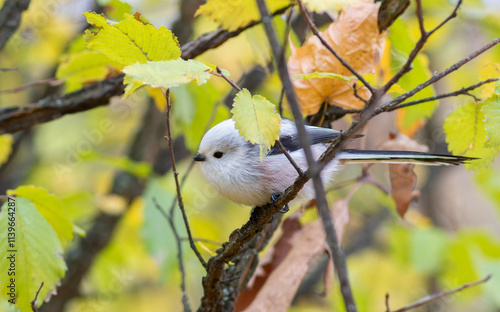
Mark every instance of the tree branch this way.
pixel 463 91
pixel 314 173
pixel 10 18
pixel 436 77
pixel 168 137
pixel 14 119
pixel 433 297
pixel 33 302
pixel 170 220
pixel 420 43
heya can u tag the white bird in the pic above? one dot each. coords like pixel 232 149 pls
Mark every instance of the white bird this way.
pixel 233 166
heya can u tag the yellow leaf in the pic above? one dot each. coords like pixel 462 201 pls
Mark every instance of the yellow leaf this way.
pixel 233 14
pixel 256 119
pixel 131 40
pixel 6 141
pixel 85 67
pixel 489 70
pixel 165 74
pixel 466 135
pixel 158 97
pixel 355 37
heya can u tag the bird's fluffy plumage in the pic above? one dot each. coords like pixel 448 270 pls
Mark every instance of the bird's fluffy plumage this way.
pixel 232 165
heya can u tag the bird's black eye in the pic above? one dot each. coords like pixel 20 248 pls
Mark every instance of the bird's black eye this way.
pixel 218 154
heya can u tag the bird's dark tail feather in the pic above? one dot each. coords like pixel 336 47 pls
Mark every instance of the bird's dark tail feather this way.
pixel 395 157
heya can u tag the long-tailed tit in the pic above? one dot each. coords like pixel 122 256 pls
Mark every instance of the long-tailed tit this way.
pixel 233 166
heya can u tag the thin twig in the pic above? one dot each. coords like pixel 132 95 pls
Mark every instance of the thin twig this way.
pixel 433 297
pixel 44 82
pixel 230 81
pixel 387 306
pixel 33 302
pixel 463 91
pixel 285 152
pixel 9 69
pixel 436 77
pixel 329 48
pixel 176 174
pixel 419 45
pixel 322 204
pixel 185 300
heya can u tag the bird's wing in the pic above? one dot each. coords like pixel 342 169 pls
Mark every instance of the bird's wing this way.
pixel 290 138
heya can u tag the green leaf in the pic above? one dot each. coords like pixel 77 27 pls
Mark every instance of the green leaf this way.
pixel 325 75
pixel 466 135
pixel 233 14
pixel 84 67
pixel 38 256
pixel 165 74
pixel 50 207
pixel 256 119
pixel 491 111
pixel 131 40
pixel 6 141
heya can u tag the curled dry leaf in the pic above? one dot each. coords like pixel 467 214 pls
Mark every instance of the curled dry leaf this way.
pixel 291 259
pixel 355 37
pixel 403 178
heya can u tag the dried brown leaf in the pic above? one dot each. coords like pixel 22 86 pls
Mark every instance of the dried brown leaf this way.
pixel 403 178
pixel 355 37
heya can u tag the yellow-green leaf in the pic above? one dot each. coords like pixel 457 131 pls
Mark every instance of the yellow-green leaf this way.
pixel 256 119
pixel 6 141
pixel 131 40
pixel 466 135
pixel 85 67
pixel 325 75
pixel 165 74
pixel 38 254
pixel 50 207
pixel 233 14
pixel 491 111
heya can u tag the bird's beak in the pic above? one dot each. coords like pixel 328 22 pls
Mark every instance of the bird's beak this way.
pixel 199 157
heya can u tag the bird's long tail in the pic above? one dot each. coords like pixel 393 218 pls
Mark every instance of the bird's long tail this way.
pixel 395 157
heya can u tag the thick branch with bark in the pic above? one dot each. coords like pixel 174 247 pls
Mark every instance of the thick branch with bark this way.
pixel 14 119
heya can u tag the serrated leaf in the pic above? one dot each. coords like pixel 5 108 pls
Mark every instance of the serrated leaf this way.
pixel 233 14
pixel 38 255
pixel 50 207
pixel 491 111
pixel 325 75
pixel 165 74
pixel 84 67
pixel 466 135
pixel 256 119
pixel 6 141
pixel 131 40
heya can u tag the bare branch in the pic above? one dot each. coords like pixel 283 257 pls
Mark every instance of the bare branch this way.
pixel 436 77
pixel 433 297
pixel 170 220
pixel 285 152
pixel 329 48
pixel 332 238
pixel 463 91
pixel 33 302
pixel 420 43
pixel 44 82
pixel 9 69
pixel 176 177
pixel 230 81
pixel 387 306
